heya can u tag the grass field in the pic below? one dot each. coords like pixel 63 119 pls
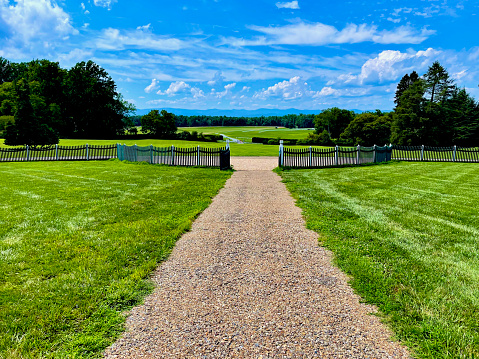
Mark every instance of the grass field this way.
pixel 408 234
pixel 78 241
pixel 246 133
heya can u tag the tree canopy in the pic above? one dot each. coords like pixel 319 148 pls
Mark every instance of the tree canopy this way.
pixel 45 99
pixel 161 125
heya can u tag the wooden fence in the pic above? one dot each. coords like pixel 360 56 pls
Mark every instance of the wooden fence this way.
pixel 338 156
pixel 58 153
pixel 333 156
pixel 435 154
pixel 174 156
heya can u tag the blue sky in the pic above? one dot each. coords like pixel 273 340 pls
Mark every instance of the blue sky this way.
pixel 232 54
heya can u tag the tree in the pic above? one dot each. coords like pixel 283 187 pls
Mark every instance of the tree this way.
pixel 334 120
pixel 463 112
pixel 404 83
pixel 6 71
pixel 161 125
pixel 410 125
pixel 29 127
pixel 94 108
pixel 438 83
pixel 368 129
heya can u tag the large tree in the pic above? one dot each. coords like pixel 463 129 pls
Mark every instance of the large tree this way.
pixel 94 108
pixel 161 125
pixel 334 120
pixel 368 129
pixel 30 126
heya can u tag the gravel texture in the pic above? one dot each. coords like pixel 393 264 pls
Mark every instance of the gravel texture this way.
pixel 250 281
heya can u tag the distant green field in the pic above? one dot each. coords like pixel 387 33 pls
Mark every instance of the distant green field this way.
pixel 408 235
pixel 246 133
pixel 78 242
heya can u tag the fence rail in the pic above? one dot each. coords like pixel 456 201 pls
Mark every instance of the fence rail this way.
pixel 197 156
pixel 175 156
pixel 338 156
pixel 335 156
pixel 58 153
pixel 436 154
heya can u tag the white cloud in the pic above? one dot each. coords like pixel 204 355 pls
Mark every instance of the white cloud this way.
pixel 114 39
pixel 153 86
pixel 394 20
pixel 175 87
pixel 104 3
pixel 144 27
pixel 327 91
pixel 227 90
pixel 389 65
pixel 317 34
pixel 245 89
pixel 197 93
pixel 287 5
pixel 36 20
pixel 293 89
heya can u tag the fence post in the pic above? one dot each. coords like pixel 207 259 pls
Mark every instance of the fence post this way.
pixel 310 156
pixel 28 153
pixel 172 155
pixel 118 152
pixel 336 156
pixel 151 153
pixel 454 154
pixel 281 153
pixel 422 153
pixel 136 152
pixel 87 157
pixel 357 155
pixel 198 156
pixel 374 154
pixel 56 151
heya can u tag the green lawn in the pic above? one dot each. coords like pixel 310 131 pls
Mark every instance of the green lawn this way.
pixel 78 241
pixel 408 234
pixel 245 133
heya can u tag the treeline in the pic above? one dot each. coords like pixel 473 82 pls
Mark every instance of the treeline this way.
pixel 430 110
pixel 41 102
pixel 289 121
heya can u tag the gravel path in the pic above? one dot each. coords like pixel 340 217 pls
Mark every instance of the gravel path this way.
pixel 250 281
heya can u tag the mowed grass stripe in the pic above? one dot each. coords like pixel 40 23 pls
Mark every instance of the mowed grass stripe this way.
pixel 78 241
pixel 408 234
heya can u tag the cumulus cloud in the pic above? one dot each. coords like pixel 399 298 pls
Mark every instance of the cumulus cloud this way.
pixel 293 89
pixel 142 37
pixel 318 34
pixel 287 5
pixel 227 90
pixel 389 64
pixel 174 88
pixel 153 86
pixel 33 20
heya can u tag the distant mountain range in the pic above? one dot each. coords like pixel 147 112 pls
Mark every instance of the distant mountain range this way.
pixel 235 113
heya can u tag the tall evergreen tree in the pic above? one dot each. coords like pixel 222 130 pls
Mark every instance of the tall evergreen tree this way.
pixel 438 83
pixel 404 83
